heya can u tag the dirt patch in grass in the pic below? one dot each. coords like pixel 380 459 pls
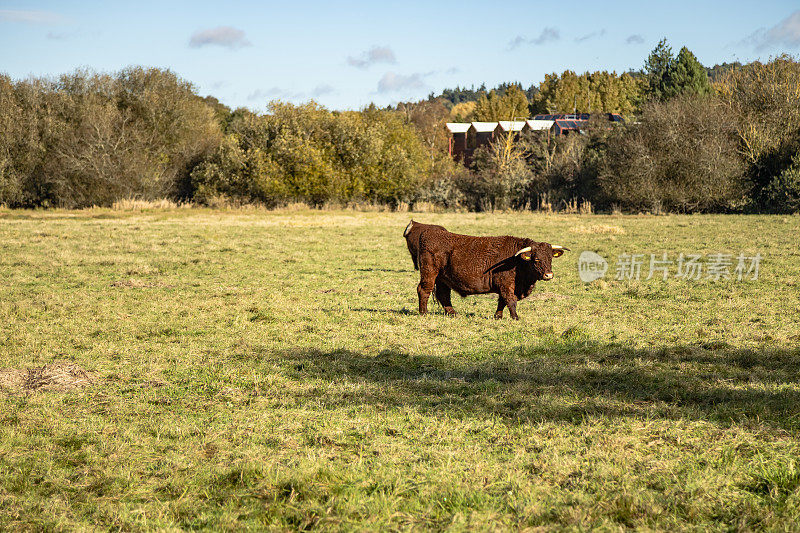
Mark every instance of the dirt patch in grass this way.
pixel 597 228
pixel 55 376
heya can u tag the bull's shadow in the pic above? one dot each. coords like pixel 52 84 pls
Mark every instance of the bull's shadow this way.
pixel 437 310
pixel 571 381
pixel 376 269
pixel 404 311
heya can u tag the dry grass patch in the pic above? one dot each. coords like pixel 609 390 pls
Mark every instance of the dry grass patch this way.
pixel 597 229
pixel 134 283
pixel 133 204
pixel 55 376
pixel 143 270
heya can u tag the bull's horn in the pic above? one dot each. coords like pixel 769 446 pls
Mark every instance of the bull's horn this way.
pixel 526 249
pixel 557 247
pixel 408 228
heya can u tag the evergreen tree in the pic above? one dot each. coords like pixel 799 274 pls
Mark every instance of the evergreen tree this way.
pixel 687 75
pixel 669 76
pixel 459 94
pixel 657 69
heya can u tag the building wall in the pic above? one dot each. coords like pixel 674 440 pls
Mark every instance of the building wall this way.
pixel 458 145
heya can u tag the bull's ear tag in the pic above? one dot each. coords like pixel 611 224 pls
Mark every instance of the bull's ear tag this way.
pixel 526 257
pixel 558 253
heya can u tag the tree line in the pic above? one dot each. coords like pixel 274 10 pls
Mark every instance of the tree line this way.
pixel 696 139
pixel 724 139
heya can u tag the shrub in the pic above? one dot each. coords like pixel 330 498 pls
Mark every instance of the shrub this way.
pixel 89 139
pixel 307 153
pixel 783 193
pixel 681 156
pixel 500 176
pixel 764 98
pixel 12 144
pixel 242 176
pixel 442 187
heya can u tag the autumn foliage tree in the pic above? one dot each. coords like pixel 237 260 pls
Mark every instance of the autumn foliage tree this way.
pixel 604 92
pixel 509 106
pixel 307 153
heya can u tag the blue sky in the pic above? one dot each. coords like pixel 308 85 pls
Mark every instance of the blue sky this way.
pixel 348 54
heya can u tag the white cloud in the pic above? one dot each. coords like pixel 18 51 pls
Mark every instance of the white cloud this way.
pixel 31 17
pixel 548 35
pixel 277 93
pixel 592 35
pixel 392 82
pixel 634 39
pixel 785 33
pixel 376 54
pixel 322 90
pixel 225 36
pixel 262 94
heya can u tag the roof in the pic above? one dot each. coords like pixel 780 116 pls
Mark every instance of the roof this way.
pixel 571 124
pixel 458 127
pixel 563 116
pixel 511 125
pixel 484 127
pixel 537 125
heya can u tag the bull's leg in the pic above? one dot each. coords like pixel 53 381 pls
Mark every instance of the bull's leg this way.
pixel 424 290
pixel 512 309
pixel 501 304
pixel 511 302
pixel 443 295
pixel 427 280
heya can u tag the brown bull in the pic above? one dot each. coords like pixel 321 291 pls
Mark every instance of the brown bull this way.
pixel 412 234
pixel 507 266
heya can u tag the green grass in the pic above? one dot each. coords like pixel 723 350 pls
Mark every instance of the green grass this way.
pixel 257 369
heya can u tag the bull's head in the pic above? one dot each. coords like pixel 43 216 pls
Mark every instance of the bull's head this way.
pixel 539 256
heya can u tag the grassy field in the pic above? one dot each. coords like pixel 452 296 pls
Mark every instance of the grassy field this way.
pixel 200 369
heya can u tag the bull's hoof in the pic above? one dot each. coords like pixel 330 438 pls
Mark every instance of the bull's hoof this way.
pixel 450 311
pixel 498 316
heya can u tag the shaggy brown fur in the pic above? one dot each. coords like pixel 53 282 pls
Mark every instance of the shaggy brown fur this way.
pixel 481 265
pixel 412 233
